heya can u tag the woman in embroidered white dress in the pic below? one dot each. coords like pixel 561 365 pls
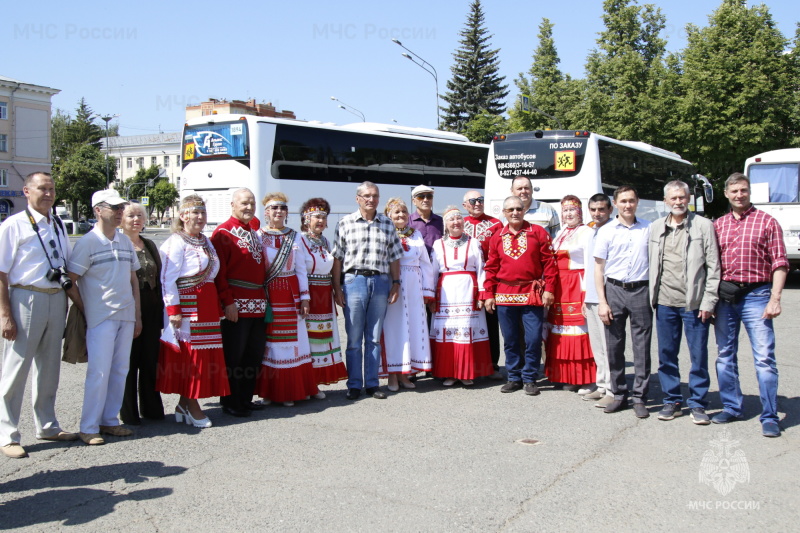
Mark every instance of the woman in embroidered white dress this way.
pixel 570 362
pixel 459 338
pixel 406 345
pixel 191 362
pixel 286 373
pixel 321 323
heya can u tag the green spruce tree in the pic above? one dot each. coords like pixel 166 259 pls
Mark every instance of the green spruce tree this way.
pixel 476 85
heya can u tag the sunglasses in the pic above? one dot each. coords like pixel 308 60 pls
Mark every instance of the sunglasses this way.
pixel 514 209
pixel 55 249
pixel 478 200
pixel 425 196
pixel 115 208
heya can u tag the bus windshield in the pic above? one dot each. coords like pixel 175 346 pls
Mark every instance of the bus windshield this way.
pixel 227 140
pixel 522 154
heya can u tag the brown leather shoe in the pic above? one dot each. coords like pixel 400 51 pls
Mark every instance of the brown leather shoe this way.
pixel 61 436
pixel 117 431
pixel 14 451
pixel 92 439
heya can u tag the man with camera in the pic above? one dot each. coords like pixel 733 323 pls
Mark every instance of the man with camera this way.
pixel 105 262
pixel 34 249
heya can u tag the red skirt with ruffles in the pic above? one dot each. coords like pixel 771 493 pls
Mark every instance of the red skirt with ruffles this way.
pixel 461 361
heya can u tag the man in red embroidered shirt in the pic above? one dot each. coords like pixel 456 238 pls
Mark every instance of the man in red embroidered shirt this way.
pixel 520 258
pixel 754 270
pixel 240 284
pixel 481 226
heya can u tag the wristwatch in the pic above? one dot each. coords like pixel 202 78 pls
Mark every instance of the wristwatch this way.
pixel 396 281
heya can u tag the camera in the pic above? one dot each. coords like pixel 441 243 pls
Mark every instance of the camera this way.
pixel 58 275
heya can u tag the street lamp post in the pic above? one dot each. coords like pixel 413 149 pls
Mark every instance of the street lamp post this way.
pixel 421 64
pixel 107 119
pixel 349 109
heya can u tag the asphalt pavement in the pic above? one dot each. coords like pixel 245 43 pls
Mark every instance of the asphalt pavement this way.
pixel 431 459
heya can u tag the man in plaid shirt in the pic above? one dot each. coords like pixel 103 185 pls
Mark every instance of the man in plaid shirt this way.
pixel 754 270
pixel 367 250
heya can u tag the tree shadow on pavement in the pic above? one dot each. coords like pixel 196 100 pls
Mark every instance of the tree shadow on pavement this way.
pixel 79 505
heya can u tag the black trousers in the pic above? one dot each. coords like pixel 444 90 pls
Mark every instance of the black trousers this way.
pixel 243 343
pixel 140 387
pixel 633 304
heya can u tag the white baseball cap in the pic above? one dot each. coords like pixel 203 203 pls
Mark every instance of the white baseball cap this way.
pixel 420 189
pixel 108 196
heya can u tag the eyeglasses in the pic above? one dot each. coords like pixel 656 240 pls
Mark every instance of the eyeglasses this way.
pixel 278 208
pixel 478 200
pixel 424 196
pixel 514 209
pixel 369 196
pixel 114 208
pixel 55 249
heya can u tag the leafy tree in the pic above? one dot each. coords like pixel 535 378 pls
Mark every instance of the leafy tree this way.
pixel 483 126
pixel 163 196
pixel 739 94
pixel 545 87
pixel 79 175
pixel 623 72
pixel 476 85
pixel 134 187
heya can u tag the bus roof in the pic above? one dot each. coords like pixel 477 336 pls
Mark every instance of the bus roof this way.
pixel 784 155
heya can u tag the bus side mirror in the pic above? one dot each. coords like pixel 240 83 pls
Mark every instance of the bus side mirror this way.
pixel 708 190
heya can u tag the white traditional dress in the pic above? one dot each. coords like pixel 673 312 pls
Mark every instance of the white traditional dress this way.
pixel 569 354
pixel 321 324
pixel 459 338
pixel 286 374
pixel 406 345
pixel 191 361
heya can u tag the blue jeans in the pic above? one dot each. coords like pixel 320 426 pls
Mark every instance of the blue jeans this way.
pixel 762 339
pixel 519 369
pixel 366 298
pixel 668 325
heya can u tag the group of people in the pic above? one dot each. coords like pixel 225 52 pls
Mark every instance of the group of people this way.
pixel 251 311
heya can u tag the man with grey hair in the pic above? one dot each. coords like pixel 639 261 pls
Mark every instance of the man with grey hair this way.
pixel 240 284
pixel 684 277
pixel 367 251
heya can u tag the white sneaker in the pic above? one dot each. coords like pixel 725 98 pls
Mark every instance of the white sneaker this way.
pixel 319 396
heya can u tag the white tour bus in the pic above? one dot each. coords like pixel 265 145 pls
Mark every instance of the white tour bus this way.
pixel 562 162
pixel 222 153
pixel 775 188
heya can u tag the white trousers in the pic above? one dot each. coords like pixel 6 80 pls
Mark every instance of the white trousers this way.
pixel 109 346
pixel 597 338
pixel 40 322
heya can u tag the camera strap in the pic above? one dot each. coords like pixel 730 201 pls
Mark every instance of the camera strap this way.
pixel 36 230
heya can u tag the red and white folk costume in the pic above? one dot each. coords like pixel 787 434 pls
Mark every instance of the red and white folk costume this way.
pixel 405 345
pixel 459 337
pixel 191 361
pixel 321 324
pixel 569 355
pixel 287 374
pixel 482 228
pixel 241 270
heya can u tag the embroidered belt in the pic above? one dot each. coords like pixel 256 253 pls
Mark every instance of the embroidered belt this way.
pixel 321 277
pixel 244 284
pixel 37 289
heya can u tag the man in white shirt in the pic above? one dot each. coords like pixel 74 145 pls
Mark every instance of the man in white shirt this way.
pixel 32 243
pixel 105 262
pixel 621 280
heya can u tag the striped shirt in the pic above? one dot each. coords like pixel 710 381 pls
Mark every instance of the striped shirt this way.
pixel 368 245
pixel 751 247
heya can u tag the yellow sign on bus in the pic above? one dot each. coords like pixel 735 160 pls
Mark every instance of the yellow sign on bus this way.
pixel 565 160
pixel 188 152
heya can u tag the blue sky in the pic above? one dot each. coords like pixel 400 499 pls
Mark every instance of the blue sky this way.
pixel 146 60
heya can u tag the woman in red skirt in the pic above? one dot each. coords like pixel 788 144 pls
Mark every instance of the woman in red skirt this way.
pixel 191 361
pixel 570 362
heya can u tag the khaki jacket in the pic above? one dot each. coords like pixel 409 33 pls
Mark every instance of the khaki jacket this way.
pixel 701 268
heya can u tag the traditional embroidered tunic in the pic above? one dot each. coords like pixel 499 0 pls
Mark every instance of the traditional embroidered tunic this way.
pixel 287 374
pixel 191 361
pixel 406 345
pixel 482 228
pixel 241 272
pixel 569 354
pixel 515 261
pixel 459 338
pixel 321 324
